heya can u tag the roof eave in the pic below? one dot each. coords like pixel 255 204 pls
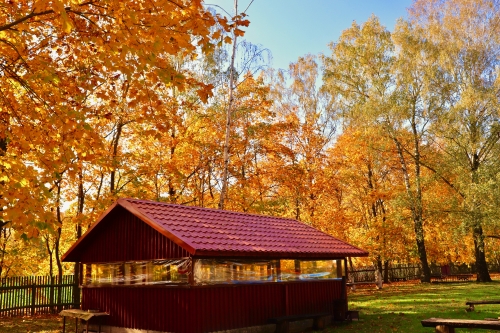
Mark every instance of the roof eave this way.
pixel 277 255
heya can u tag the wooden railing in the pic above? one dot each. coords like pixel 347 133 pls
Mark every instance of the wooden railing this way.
pixel 32 295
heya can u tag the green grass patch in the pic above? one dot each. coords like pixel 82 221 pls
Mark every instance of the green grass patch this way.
pixel 401 307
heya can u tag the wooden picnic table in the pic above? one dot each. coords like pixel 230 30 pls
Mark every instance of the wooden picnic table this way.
pixel 86 315
pixel 443 325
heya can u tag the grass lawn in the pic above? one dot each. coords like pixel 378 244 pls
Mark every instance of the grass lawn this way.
pixel 396 308
pixel 401 307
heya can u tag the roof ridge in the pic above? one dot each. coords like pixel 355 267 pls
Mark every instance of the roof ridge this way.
pixel 214 209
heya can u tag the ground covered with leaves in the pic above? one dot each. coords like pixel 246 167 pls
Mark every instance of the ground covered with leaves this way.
pixel 401 307
pixel 28 324
pixel 396 308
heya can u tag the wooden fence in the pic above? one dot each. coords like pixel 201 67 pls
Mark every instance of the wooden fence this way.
pixel 399 272
pixel 36 295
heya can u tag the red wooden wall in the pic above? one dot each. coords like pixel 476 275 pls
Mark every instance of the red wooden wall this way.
pixel 126 238
pixel 207 309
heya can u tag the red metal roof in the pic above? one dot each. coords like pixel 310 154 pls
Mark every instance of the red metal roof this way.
pixel 212 232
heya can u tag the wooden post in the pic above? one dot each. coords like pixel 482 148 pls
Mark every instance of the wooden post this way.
pixel 120 274
pixel 297 268
pixel 444 329
pixel 339 268
pixel 88 275
pixel 33 299
pixel 144 272
pixel 191 275
pixel 77 283
pixel 346 272
pixel 133 272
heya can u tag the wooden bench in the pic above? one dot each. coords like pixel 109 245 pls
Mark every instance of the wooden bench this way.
pixel 472 303
pixel 282 322
pixel 449 325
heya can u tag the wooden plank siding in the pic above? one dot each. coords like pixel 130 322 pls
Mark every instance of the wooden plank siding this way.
pixel 126 238
pixel 213 308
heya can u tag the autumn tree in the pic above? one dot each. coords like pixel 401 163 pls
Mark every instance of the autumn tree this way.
pixel 366 77
pixel 367 172
pixel 307 128
pixel 467 33
pixel 73 75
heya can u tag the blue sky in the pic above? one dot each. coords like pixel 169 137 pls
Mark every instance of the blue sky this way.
pixel 293 28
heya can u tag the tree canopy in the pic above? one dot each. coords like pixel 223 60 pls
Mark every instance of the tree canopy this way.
pixel 390 142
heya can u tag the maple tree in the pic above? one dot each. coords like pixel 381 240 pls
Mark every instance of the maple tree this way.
pixel 70 72
pixel 163 100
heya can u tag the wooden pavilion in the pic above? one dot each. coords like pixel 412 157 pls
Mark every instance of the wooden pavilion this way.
pixel 173 268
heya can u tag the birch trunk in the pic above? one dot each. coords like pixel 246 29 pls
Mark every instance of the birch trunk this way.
pixel 416 208
pixel 223 192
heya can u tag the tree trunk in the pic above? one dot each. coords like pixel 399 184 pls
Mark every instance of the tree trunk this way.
pixel 51 273
pixel 482 268
pixel 225 172
pixel 477 230
pixel 4 235
pixel 386 271
pixel 422 253
pixel 416 209
pixel 378 273
pixel 78 266
pixel 116 140
pixel 51 256
pixel 3 146
pixel 56 248
pixel 3 150
pixel 59 269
